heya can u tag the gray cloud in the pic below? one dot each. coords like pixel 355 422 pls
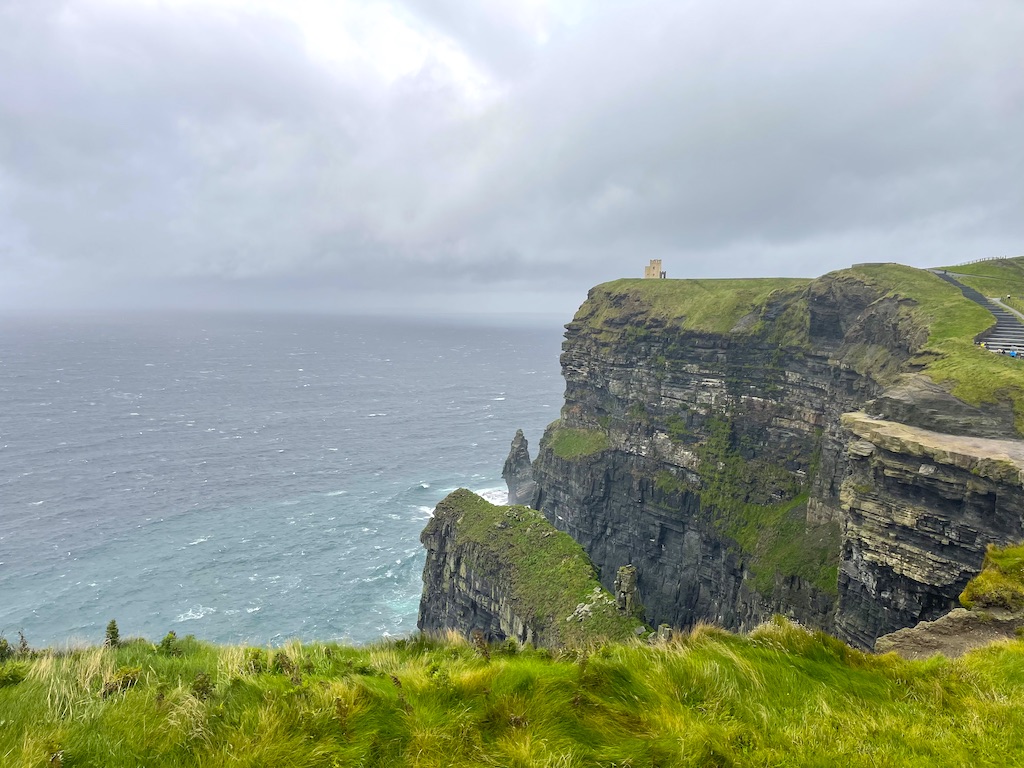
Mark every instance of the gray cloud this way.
pixel 152 149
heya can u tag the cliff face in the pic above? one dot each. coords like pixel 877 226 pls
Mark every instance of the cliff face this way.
pixel 463 588
pixel 506 573
pixel 703 441
pixel 920 509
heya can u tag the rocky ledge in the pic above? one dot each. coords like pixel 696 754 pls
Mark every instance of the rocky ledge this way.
pixel 993 611
pixel 952 635
pixel 919 510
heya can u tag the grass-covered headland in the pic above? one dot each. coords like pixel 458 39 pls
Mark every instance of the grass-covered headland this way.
pixel 780 696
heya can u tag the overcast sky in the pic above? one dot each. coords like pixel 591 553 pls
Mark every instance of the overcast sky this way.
pixel 452 155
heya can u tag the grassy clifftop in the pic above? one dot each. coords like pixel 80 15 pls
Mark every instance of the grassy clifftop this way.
pixel 714 306
pixel 948 320
pixel 550 581
pixel 996 277
pixel 949 356
pixel 781 696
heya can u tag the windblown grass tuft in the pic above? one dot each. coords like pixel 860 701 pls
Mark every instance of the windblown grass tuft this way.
pixel 780 696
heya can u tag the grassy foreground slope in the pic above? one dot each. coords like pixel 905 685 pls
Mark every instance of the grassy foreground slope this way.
pixel 780 696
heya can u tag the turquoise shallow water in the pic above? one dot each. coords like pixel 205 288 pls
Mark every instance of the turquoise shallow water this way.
pixel 245 478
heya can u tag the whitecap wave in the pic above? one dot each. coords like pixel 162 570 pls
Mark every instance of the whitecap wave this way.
pixel 196 612
pixel 494 495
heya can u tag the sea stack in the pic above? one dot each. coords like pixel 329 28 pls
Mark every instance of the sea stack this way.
pixel 518 473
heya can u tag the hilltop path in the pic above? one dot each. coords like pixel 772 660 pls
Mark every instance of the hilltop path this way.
pixel 1008 332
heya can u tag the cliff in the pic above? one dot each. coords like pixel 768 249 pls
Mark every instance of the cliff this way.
pixel 703 440
pixel 994 611
pixel 504 572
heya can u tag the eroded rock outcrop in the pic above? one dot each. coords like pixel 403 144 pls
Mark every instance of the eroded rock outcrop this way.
pixel 503 572
pixel 952 634
pixel 993 611
pixel 518 473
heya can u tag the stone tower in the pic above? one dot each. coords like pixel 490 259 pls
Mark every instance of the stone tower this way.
pixel 653 271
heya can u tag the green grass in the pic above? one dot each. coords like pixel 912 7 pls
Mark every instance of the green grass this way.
pixel 782 696
pixel 637 311
pixel 570 443
pixel 546 573
pixel 949 354
pixel 778 541
pixel 714 306
pixel 666 482
pixel 997 277
pixel 1001 581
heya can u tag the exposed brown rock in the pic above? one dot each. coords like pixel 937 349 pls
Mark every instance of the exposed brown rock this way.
pixel 952 635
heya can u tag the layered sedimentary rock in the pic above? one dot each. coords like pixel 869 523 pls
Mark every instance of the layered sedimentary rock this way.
pixel 463 585
pixel 920 509
pixel 708 449
pixel 503 572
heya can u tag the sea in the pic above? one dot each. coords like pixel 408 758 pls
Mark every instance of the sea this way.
pixel 247 478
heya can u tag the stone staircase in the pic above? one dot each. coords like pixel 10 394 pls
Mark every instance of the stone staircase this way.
pixel 1008 332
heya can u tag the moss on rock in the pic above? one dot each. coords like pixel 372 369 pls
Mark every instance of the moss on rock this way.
pixel 1000 583
pixel 575 443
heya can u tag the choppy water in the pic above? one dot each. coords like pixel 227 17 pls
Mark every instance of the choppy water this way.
pixel 245 478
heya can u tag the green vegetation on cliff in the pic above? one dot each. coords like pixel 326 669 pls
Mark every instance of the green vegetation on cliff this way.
pixel 780 696
pixel 996 277
pixel 952 321
pixel 574 443
pixel 548 575
pixel 775 537
pixel 1000 583
pixel 714 306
